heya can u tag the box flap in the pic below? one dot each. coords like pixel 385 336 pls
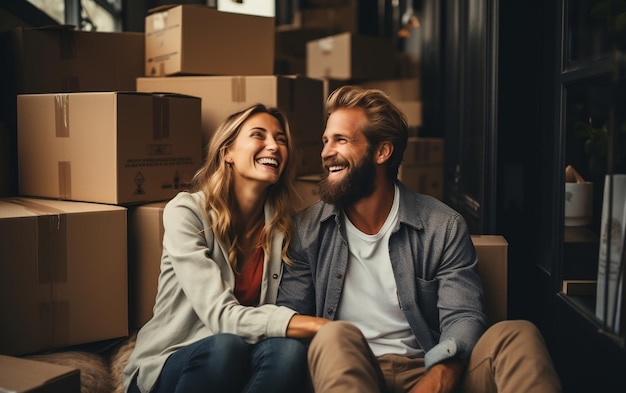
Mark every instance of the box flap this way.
pixel 24 375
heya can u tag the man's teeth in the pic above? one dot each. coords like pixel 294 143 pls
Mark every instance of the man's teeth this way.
pixel 268 161
pixel 335 168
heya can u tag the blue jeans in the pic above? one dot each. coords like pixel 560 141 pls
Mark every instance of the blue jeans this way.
pixel 227 363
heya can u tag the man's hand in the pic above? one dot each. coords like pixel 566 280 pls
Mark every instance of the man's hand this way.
pixel 441 378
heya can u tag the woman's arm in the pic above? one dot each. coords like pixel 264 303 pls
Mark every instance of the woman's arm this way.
pixel 304 326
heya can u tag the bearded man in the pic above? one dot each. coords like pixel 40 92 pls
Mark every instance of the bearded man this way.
pixel 396 271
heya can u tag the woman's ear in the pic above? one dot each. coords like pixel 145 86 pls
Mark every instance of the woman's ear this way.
pixel 383 152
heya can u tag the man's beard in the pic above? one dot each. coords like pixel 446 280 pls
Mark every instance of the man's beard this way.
pixel 356 185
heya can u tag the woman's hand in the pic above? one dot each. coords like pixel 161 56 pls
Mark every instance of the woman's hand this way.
pixel 305 326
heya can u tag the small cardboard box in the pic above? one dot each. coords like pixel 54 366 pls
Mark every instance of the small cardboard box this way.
pixel 18 375
pixel 423 178
pixel 145 246
pixel 63 275
pixel 424 151
pixel 297 97
pixel 194 39
pixel 492 252
pixel 307 188
pixel 351 56
pixel 107 147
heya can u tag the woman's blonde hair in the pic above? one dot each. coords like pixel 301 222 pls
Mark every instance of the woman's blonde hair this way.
pixel 215 179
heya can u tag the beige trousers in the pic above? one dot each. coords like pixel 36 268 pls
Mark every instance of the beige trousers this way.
pixel 510 357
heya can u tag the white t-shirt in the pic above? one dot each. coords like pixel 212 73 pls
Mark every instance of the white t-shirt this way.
pixel 369 299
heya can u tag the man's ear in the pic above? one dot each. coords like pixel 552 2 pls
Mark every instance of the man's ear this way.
pixel 383 152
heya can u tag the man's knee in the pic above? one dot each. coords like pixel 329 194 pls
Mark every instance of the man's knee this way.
pixel 336 334
pixel 514 328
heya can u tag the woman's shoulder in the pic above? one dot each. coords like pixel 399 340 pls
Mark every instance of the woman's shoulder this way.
pixel 194 201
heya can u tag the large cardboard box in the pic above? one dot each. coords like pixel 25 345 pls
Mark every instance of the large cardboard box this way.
pixel 60 59
pixel 351 56
pixel 195 39
pixel 298 97
pixel 107 147
pixel 145 246
pixel 63 274
pixel 492 252
pixel 18 375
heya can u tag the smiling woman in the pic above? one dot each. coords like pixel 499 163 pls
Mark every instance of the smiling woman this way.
pixel 224 245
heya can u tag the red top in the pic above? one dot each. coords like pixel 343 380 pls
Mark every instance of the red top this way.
pixel 248 281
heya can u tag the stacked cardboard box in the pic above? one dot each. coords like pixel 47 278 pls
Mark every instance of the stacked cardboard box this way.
pixel 107 147
pixel 63 276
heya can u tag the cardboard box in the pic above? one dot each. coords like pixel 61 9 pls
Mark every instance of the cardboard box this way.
pixel 63 276
pixel 145 246
pixel 194 39
pixel 403 89
pixel 19 375
pixel 59 59
pixel 309 155
pixel 413 112
pixel 424 151
pixel 351 56
pixel 423 178
pixel 297 97
pixel 492 252
pixel 307 188
pixel 107 147
pixel 292 41
pixel 335 18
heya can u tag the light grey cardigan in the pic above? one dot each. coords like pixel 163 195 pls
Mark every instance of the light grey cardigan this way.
pixel 195 292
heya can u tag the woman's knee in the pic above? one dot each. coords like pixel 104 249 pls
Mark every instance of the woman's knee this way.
pixel 229 348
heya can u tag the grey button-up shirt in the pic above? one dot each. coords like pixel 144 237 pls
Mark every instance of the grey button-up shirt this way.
pixel 434 264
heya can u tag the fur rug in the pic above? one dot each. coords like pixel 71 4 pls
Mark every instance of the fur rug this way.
pixel 99 372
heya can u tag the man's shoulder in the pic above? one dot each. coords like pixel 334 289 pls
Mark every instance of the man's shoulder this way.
pixel 314 214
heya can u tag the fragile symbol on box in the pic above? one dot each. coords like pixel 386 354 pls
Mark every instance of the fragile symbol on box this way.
pixel 139 179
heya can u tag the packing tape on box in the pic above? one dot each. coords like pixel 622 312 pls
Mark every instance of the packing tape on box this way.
pixel 51 229
pixel 62 115
pixel 54 322
pixel 160 117
pixel 238 89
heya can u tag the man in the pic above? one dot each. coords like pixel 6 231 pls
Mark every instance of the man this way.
pixel 397 271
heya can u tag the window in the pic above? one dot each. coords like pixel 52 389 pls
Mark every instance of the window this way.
pixel 90 15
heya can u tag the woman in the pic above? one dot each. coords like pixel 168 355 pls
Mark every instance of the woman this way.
pixel 215 327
